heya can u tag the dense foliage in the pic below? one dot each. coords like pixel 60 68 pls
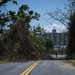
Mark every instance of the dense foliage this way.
pixel 71 39
pixel 19 41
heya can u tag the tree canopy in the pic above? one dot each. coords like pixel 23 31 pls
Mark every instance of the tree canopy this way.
pixel 19 41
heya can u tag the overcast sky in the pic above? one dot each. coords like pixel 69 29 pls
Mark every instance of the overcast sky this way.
pixel 42 6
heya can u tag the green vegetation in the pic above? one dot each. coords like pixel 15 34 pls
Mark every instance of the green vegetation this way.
pixel 19 42
pixel 71 31
pixel 49 45
pixel 62 50
pixel 4 61
pixel 71 44
pixel 72 62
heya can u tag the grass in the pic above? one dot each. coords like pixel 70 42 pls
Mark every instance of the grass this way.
pixel 1 62
pixel 4 61
pixel 72 62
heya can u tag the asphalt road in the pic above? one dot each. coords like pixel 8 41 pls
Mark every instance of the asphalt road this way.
pixel 45 67
pixel 58 56
pixel 14 68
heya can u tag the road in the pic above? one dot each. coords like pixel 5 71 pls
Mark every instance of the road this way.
pixel 45 67
pixel 58 56
pixel 14 68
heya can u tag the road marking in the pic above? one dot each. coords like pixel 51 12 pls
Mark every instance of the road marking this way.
pixel 27 71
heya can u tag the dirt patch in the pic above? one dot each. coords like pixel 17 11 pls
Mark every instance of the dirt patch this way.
pixel 66 65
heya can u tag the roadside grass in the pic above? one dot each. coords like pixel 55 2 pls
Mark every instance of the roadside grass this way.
pixel 1 62
pixel 72 62
pixel 4 61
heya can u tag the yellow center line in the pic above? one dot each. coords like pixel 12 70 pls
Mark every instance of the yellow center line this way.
pixel 27 71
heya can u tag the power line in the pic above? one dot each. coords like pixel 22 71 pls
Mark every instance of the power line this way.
pixel 51 24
